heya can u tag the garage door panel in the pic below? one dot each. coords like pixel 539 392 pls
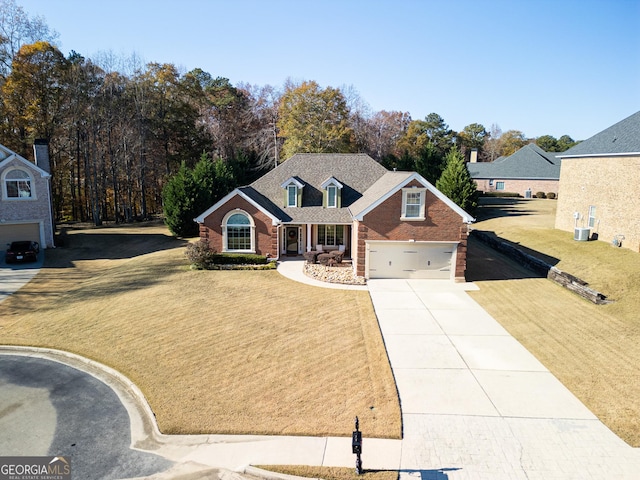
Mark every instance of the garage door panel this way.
pixel 19 231
pixel 410 260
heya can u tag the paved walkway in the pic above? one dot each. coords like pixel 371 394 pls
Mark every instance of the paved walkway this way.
pixel 476 404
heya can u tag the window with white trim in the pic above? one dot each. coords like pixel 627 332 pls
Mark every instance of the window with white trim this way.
pixel 238 232
pixel 331 235
pixel 292 196
pixel 332 196
pixel 413 203
pixel 592 216
pixel 18 185
pixel 499 185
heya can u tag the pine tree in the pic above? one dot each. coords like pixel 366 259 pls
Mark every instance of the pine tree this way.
pixel 456 182
pixel 191 191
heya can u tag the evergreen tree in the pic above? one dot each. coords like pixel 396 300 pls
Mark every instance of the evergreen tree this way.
pixel 191 191
pixel 429 163
pixel 456 182
pixel 178 203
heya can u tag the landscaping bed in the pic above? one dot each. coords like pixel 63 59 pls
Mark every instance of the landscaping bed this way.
pixel 339 273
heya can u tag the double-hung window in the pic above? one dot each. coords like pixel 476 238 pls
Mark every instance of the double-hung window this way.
pixel 413 203
pixel 592 216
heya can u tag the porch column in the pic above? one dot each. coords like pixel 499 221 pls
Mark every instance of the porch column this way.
pixel 309 237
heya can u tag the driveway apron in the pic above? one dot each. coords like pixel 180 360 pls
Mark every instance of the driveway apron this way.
pixel 475 403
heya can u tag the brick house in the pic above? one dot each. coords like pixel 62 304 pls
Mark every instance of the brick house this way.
pixel 527 171
pixel 600 185
pixel 390 224
pixel 25 197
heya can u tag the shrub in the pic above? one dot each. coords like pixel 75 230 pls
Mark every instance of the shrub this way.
pixel 238 259
pixel 500 194
pixel 551 195
pixel 200 254
pixel 203 257
pixel 541 195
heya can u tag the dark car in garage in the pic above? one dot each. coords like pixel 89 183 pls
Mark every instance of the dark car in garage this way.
pixel 22 251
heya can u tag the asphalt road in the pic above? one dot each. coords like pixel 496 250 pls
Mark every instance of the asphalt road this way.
pixel 50 409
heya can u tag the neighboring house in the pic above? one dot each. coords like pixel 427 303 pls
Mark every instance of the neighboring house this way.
pixel 600 185
pixel 25 197
pixel 391 224
pixel 527 171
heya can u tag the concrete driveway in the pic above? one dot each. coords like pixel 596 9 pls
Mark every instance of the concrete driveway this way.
pixel 15 275
pixel 475 403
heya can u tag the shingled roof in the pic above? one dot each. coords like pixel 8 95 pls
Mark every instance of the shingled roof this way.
pixel 623 138
pixel 356 172
pixel 530 162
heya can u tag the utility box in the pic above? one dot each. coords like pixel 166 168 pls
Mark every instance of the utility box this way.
pixel 581 234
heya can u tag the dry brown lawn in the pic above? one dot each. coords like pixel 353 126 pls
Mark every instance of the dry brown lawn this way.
pixel 594 350
pixel 213 351
pixel 332 473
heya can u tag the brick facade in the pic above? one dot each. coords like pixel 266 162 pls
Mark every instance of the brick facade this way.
pixel 518 186
pixel 266 234
pixel 441 224
pixel 612 186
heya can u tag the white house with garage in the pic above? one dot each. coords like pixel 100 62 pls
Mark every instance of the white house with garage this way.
pixel 26 211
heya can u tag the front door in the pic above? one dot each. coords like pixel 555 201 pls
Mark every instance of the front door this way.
pixel 292 240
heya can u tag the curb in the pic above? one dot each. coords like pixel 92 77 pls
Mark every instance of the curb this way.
pixel 144 428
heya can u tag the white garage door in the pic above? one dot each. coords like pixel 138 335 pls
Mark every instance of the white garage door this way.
pixel 411 259
pixel 18 231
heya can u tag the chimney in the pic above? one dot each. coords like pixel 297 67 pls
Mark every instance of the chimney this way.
pixel 474 155
pixel 41 154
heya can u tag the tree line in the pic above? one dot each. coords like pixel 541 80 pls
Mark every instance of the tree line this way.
pixel 119 129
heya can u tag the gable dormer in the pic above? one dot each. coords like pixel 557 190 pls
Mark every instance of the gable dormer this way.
pixel 292 192
pixel 331 193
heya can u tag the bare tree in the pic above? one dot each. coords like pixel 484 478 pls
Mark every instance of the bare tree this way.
pixel 18 29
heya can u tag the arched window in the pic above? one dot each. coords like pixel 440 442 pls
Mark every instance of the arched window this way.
pixel 18 184
pixel 238 232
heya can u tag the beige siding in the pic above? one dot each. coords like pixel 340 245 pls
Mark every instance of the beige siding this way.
pixel 612 186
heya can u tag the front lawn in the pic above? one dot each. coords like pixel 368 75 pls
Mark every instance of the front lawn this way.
pixel 213 351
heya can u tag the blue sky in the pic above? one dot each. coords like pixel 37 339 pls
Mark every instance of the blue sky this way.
pixel 542 67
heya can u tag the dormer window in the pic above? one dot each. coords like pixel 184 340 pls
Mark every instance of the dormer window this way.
pixel 332 189
pixel 292 196
pixel 292 192
pixel 332 196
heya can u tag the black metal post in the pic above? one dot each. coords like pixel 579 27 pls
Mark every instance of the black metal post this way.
pixel 356 446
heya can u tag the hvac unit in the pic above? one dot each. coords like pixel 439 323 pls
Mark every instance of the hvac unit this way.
pixel 581 234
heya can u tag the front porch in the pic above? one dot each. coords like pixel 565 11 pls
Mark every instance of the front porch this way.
pixel 296 239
